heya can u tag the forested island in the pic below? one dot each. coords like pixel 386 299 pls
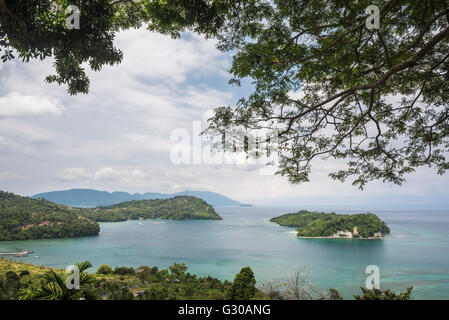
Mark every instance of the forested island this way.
pixel 24 218
pixel 332 225
pixel 177 208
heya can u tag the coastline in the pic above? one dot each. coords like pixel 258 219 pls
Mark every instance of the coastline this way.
pixel 347 238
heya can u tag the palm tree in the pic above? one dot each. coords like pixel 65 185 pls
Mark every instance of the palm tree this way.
pixel 53 287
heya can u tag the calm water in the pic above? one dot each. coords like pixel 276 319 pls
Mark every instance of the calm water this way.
pixel 417 252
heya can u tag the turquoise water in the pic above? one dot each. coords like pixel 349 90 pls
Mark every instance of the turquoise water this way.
pixel 417 252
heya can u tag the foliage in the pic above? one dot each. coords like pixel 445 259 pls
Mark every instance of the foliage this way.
pixel 144 273
pixel 104 269
pixel 319 224
pixel 53 287
pixel 36 29
pixel 25 218
pixel 334 294
pixel 376 294
pixel 49 283
pixel 8 287
pixel 326 86
pixel 123 284
pixel 12 276
pixel 177 208
pixel 216 295
pixel 243 287
pixel 24 273
pixel 123 270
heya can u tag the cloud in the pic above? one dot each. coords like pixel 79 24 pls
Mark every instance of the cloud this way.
pixel 74 174
pixel 17 105
pixel 155 57
pixel 118 136
pixel 110 174
pixel 6 175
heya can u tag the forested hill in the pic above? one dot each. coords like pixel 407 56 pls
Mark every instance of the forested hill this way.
pixel 319 224
pixel 25 218
pixel 177 208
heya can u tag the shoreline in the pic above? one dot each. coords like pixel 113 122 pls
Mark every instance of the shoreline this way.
pixel 346 238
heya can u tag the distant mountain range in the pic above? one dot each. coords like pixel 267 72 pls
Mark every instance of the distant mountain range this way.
pixel 95 198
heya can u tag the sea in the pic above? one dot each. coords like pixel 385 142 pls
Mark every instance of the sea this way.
pixel 415 254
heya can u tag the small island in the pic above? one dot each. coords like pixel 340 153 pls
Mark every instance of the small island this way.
pixel 334 226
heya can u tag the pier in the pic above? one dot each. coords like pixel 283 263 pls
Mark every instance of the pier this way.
pixel 22 253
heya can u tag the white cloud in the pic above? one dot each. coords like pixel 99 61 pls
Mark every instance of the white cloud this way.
pixel 74 174
pixel 112 174
pixel 7 175
pixel 107 173
pixel 15 104
pixel 152 56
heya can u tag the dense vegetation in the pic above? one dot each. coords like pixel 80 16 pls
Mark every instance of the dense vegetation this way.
pixel 26 281
pixel 177 208
pixel 243 287
pixel 24 218
pixel 376 294
pixel 319 224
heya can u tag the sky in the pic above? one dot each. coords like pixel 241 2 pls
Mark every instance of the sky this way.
pixel 124 134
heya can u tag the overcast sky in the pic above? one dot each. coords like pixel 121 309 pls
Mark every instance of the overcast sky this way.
pixel 117 138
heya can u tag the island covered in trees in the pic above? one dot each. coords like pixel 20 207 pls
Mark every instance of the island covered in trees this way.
pixel 332 225
pixel 24 218
pixel 177 208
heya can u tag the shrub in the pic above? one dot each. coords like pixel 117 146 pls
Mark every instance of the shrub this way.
pixel 24 273
pixel 11 276
pixel 243 287
pixel 104 269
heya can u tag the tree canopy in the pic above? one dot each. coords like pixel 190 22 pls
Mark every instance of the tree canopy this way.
pixel 177 208
pixel 124 283
pixel 24 218
pixel 243 287
pixel 325 85
pixel 37 29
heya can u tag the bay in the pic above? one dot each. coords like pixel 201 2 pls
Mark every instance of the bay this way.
pixel 416 254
